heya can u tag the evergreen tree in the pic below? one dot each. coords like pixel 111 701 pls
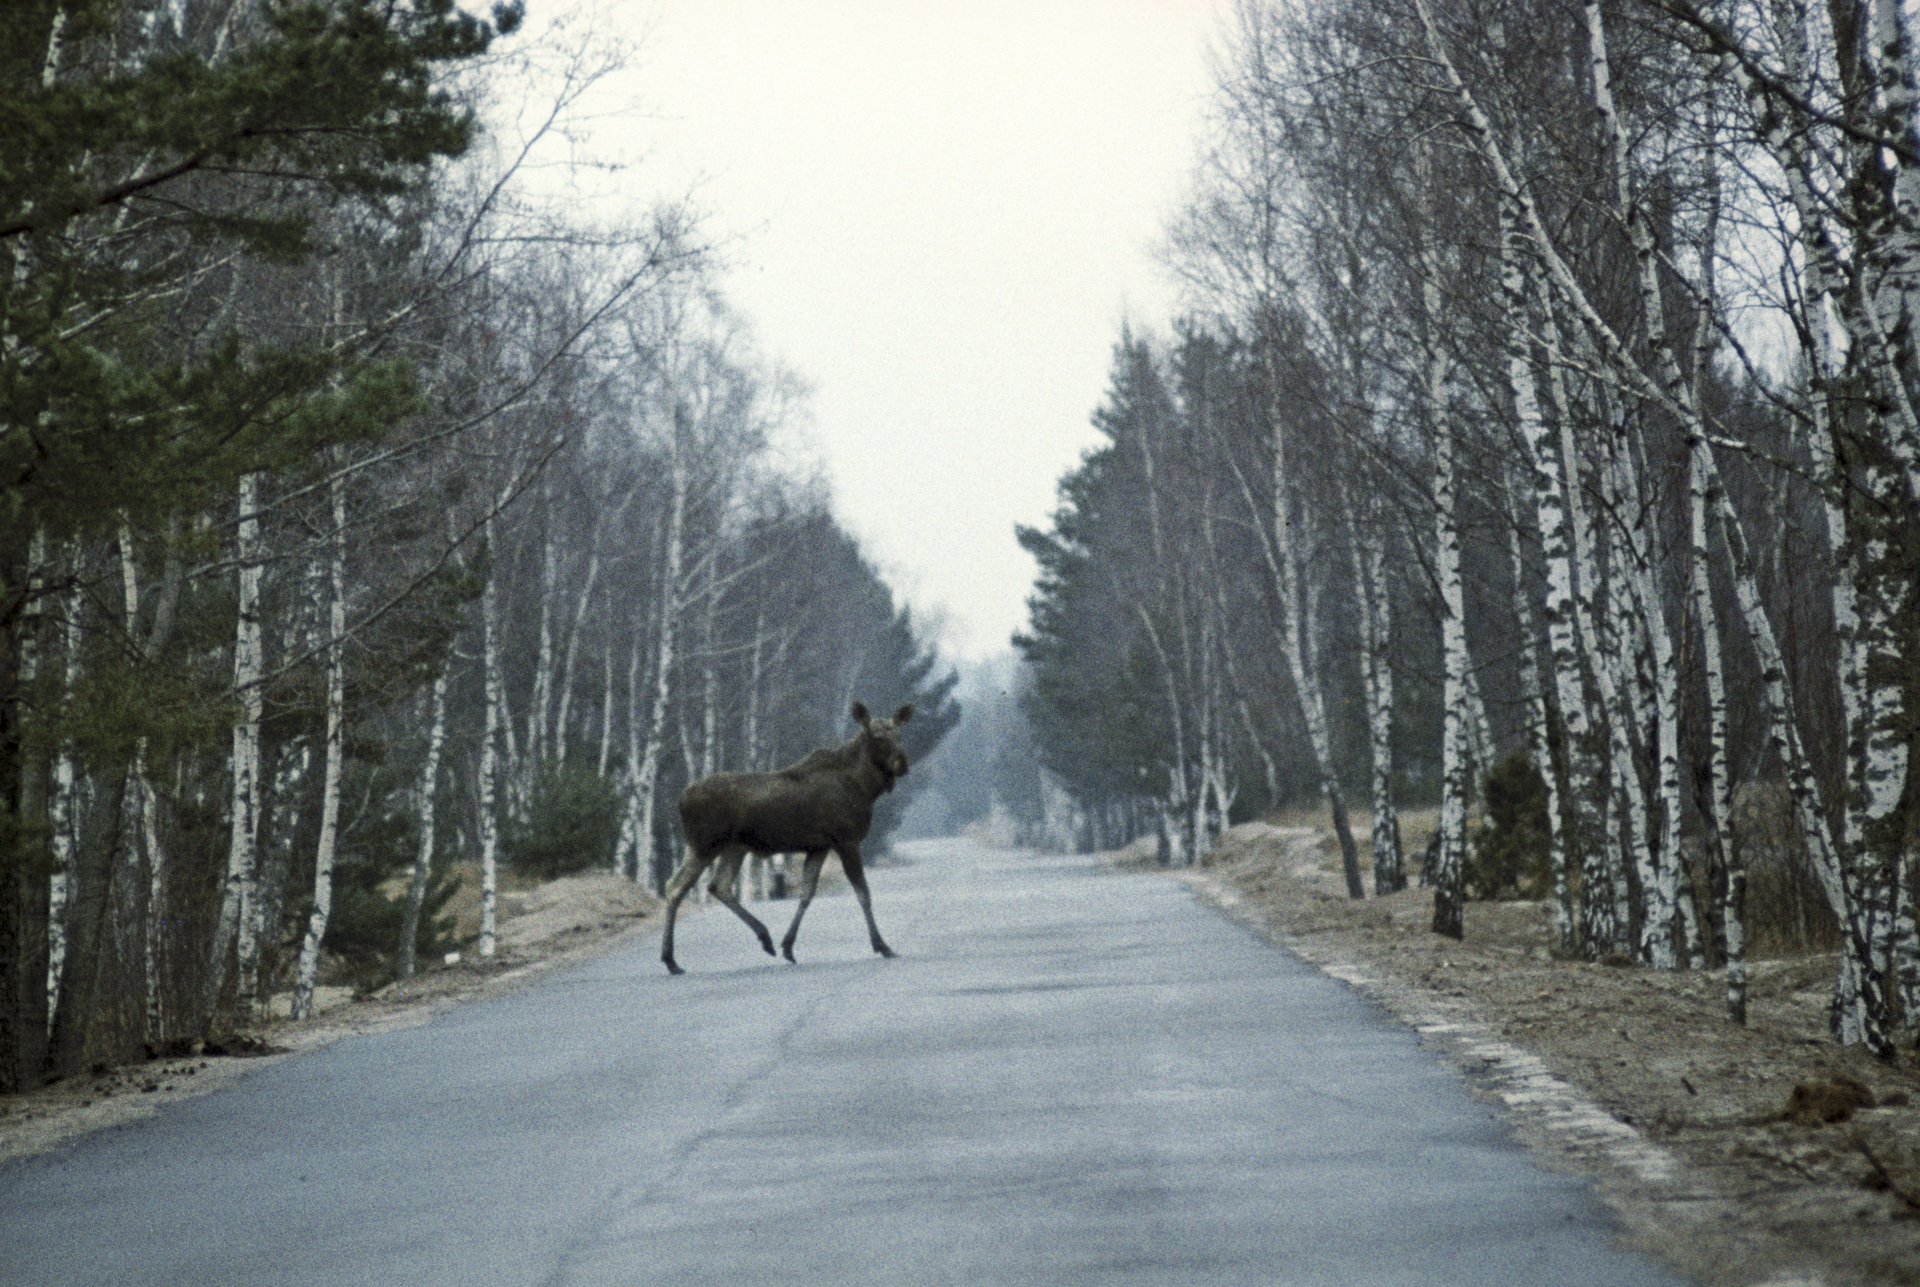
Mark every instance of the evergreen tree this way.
pixel 145 153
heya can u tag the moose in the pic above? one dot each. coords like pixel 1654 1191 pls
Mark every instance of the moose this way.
pixel 825 801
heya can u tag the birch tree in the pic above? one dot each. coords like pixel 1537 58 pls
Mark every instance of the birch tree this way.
pixel 302 1005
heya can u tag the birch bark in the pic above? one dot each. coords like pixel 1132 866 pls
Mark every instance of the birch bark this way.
pixel 648 738
pixel 604 759
pixel 1284 565
pixel 1180 834
pixel 26 1026
pixel 234 932
pixel 62 810
pixel 571 654
pixel 1375 598
pixel 750 732
pixel 142 805
pixel 493 719
pixel 540 709
pixel 1661 933
pixel 423 856
pixel 1448 878
pixel 1717 798
pixel 1566 932
pixel 309 965
pixel 1580 827
pixel 1855 873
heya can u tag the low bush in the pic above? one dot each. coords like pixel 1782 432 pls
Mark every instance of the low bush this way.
pixel 572 824
pixel 1509 853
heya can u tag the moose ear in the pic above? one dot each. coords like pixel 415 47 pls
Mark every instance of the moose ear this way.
pixel 860 715
pixel 904 714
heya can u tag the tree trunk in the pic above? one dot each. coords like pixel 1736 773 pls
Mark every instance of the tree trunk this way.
pixel 648 739
pixel 1375 598
pixel 1580 826
pixel 604 759
pixel 1566 938
pixel 1665 918
pixel 62 809
pixel 423 857
pixel 234 933
pixel 540 709
pixel 1716 797
pixel 24 930
pixel 1450 868
pixel 751 758
pixel 1283 564
pixel 302 1005
pixel 144 833
pixel 495 697
pixel 571 654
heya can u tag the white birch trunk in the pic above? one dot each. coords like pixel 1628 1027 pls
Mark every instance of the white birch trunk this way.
pixel 1375 598
pixel 750 732
pixel 1619 786
pixel 1242 707
pixel 1180 803
pixel 62 806
pixel 1717 801
pixel 309 966
pixel 494 722
pixel 1566 936
pixel 540 709
pixel 1784 737
pixel 571 654
pixel 1576 780
pixel 423 857
pixel 1447 880
pixel 648 739
pixel 1667 905
pixel 1716 794
pixel 142 808
pixel 628 853
pixel 1618 663
pixel 1295 642
pixel 604 758
pixel 709 687
pixel 235 931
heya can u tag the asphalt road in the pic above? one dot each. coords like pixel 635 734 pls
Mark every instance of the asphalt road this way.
pixel 1067 1077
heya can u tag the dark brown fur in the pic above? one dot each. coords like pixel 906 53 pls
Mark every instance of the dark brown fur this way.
pixel 824 802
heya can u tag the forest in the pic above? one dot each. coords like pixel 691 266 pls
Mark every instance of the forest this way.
pixel 1539 443
pixel 368 509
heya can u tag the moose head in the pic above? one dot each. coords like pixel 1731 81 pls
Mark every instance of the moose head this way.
pixel 880 738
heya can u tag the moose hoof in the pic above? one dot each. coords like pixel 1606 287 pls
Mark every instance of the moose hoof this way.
pixel 786 950
pixel 883 949
pixel 673 968
pixel 768 944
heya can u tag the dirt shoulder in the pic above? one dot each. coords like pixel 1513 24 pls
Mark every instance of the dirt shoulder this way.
pixel 542 928
pixel 1743 1156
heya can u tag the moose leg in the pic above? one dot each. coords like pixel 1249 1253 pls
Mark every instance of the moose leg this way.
pixel 725 886
pixel 857 877
pixel 677 887
pixel 809 877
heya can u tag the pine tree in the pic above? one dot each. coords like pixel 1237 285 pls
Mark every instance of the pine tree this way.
pixel 144 152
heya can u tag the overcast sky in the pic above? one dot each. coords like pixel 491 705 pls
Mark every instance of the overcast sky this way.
pixel 943 213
